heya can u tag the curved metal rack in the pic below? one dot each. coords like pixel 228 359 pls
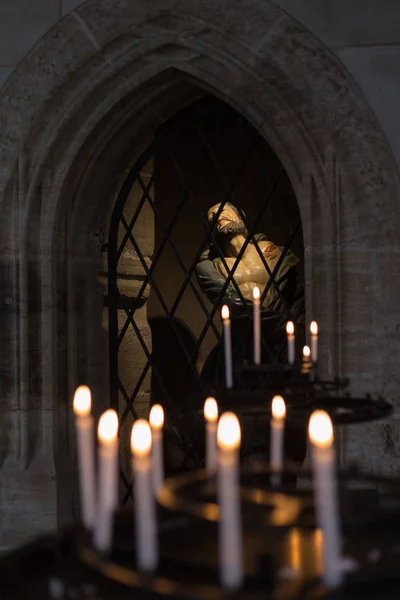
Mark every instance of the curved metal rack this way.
pixel 343 410
pixel 282 546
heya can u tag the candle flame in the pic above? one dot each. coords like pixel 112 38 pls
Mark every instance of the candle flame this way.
pixel 228 432
pixel 156 416
pixel 141 437
pixel 314 328
pixel 320 429
pixel 225 312
pixel 256 293
pixel 306 352
pixel 211 410
pixel 278 407
pixel 108 427
pixel 82 401
pixel 290 328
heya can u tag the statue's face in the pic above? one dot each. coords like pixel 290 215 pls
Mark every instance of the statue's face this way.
pixel 228 220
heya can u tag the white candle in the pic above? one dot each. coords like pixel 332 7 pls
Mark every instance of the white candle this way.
pixel 314 341
pixel 211 418
pixel 291 352
pixel 108 480
pixel 143 497
pixel 85 443
pixel 230 530
pixel 227 346
pixel 306 353
pixel 256 326
pixel 278 410
pixel 156 419
pixel 320 432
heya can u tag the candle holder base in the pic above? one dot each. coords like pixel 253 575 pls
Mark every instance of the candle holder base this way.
pixel 366 501
pixel 300 403
pixel 282 560
pixel 281 546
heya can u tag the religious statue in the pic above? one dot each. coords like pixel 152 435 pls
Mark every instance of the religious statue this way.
pixel 261 264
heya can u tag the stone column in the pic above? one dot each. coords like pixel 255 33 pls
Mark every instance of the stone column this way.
pixel 130 276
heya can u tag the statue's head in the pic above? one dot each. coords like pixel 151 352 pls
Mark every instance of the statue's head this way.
pixel 231 220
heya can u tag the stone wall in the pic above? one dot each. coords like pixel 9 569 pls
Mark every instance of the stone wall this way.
pixel 363 35
pixel 76 112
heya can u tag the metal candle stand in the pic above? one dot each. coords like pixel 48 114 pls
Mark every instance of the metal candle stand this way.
pixel 282 545
pixel 284 519
pixel 304 392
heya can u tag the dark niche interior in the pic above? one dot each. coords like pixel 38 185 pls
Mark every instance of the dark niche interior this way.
pixel 204 155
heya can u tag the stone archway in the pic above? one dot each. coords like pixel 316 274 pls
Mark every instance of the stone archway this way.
pixel 76 113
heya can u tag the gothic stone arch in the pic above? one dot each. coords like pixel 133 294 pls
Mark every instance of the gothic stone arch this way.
pixel 76 113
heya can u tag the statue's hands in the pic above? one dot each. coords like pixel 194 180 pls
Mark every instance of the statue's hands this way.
pixel 212 283
pixel 239 307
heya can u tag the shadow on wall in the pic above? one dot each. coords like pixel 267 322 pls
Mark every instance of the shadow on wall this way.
pixel 174 378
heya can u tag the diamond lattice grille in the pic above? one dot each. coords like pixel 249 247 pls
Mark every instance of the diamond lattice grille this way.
pixel 165 333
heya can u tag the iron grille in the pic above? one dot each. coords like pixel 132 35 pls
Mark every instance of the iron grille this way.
pixel 168 181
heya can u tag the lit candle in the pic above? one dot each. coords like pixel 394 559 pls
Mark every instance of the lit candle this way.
pixel 278 410
pixel 211 418
pixel 306 367
pixel 291 352
pixel 230 531
pixel 227 346
pixel 144 502
pixel 256 326
pixel 107 434
pixel 156 419
pixel 314 341
pixel 320 432
pixel 85 443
